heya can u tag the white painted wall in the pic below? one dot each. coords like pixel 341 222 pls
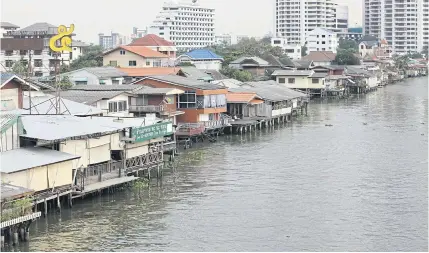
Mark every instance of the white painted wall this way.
pixel 91 78
pixel 282 111
pixel 321 40
pixel 203 117
pixel 104 106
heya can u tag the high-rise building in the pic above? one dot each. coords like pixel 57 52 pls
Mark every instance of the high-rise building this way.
pixel 113 40
pixel 341 19
pixel 294 18
pixel 187 25
pixel 404 24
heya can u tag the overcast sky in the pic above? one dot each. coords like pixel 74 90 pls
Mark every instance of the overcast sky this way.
pixel 241 17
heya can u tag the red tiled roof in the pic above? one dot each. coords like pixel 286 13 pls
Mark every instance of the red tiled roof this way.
pixel 151 40
pixel 239 97
pixel 319 56
pixel 144 51
pixel 149 71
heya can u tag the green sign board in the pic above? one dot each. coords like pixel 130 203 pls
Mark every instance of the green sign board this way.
pixel 145 133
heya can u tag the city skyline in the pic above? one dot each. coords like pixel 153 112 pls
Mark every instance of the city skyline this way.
pixel 228 19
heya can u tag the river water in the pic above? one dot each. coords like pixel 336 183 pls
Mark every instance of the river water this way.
pixel 360 185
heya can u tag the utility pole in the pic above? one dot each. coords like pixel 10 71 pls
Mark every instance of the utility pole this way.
pixel 27 80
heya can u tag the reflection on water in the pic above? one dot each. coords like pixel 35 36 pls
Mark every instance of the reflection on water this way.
pixel 360 185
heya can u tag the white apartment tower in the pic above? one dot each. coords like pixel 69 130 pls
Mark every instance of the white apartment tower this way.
pixel 294 18
pixel 403 23
pixel 188 25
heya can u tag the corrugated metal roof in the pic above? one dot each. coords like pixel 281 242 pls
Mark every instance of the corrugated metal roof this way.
pixel 38 27
pixel 240 97
pixel 258 60
pixel 303 63
pixel 320 56
pixel 7 118
pixel 29 157
pixel 77 43
pixel 185 82
pixel 216 75
pixel 269 90
pixel 89 97
pixel 141 72
pixel 195 73
pixel 60 127
pixel 9 191
pixel 123 87
pixel 101 72
pixel 228 83
pixel 319 75
pixel 8 25
pixel 44 105
pixel 5 77
pixel 200 54
pixel 292 73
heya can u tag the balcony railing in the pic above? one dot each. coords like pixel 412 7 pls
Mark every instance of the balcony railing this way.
pixel 216 123
pixel 146 108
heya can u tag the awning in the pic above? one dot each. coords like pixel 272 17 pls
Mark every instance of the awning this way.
pixel 256 101
pixel 350 81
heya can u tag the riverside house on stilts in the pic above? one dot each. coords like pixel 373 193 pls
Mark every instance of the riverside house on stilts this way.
pixel 279 104
pixel 203 104
pixel 308 81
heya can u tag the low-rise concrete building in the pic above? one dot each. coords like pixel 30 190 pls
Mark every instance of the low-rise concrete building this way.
pixel 12 91
pixel 293 51
pixel 135 57
pixel 305 80
pixel 321 39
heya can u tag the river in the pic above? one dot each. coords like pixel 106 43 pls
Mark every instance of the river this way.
pixel 359 185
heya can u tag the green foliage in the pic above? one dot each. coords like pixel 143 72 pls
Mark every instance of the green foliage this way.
pixel 185 64
pixel 247 47
pixel 425 51
pixel 92 57
pixel 415 55
pixel 401 62
pixel 17 208
pixel 346 57
pixel 20 67
pixel 240 75
pixel 350 45
pixel 65 82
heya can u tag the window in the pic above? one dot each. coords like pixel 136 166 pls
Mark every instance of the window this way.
pixel 113 63
pixel 362 46
pixel 132 63
pixel 37 52
pixel 277 42
pixel 157 63
pixel 80 82
pixel 291 80
pixel 314 80
pixel 323 36
pixel 122 52
pixel 38 73
pixel 115 81
pixel 9 63
pixel 22 52
pixel 117 106
pixel 38 63
pixel 187 100
pixel 282 80
pixel 147 63
pixel 323 42
pixel 9 53
pixel 102 82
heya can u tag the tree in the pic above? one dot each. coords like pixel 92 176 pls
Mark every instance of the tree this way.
pixel 346 57
pixel 348 45
pixel 65 83
pixel 425 52
pixel 415 55
pixel 401 62
pixel 240 75
pixel 92 57
pixel 20 67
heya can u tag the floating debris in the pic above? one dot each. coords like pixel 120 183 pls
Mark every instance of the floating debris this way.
pixel 329 125
pixel 365 123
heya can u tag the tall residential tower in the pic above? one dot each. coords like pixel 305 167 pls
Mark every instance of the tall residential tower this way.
pixel 294 18
pixel 403 23
pixel 188 25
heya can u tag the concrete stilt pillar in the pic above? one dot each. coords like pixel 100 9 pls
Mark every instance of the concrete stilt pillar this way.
pixel 70 200
pixel 45 208
pixel 157 171
pixel 15 238
pixel 27 236
pixel 2 241
pixel 148 173
pixel 58 203
pixel 21 233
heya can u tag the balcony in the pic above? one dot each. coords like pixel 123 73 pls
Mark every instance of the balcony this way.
pixel 146 108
